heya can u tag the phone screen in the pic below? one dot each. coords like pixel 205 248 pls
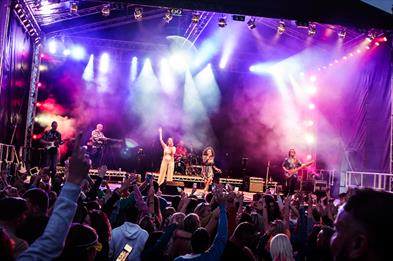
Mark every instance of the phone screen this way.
pixel 194 185
pixel 179 189
pixel 236 189
pixel 124 253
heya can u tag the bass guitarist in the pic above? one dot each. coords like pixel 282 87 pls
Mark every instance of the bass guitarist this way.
pixel 51 141
pixel 291 167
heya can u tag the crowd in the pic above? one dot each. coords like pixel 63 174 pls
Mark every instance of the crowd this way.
pixel 75 218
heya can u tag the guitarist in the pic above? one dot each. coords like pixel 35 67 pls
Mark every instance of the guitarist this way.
pixel 51 140
pixel 291 166
pixel 97 142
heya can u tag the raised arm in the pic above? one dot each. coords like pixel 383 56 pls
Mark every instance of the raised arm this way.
pixel 161 140
pixel 50 245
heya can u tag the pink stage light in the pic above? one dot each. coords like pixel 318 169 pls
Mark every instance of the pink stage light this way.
pixel 319 68
pixel 311 106
pixel 358 51
pixel 336 61
pixel 35 137
pixel 313 78
pixel 310 123
pixel 309 157
pixel 345 58
pixel 330 64
pixel 351 54
pixel 39 104
pixel 368 47
pixel 376 44
pixel 42 55
pixel 385 39
pixel 310 139
pixel 39 85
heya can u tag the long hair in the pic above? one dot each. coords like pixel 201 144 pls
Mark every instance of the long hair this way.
pixel 204 153
pixel 281 248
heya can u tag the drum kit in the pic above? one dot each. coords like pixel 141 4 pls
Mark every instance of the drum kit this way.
pixel 188 164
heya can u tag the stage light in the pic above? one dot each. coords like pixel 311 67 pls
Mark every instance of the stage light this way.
pixel 310 123
pixel 371 35
pixel 106 9
pixel 38 104
pixel 39 85
pixel 78 53
pixel 52 46
pixel 385 39
pixel 311 89
pixel 312 30
pixel 251 24
pixel 309 138
pixel 309 157
pixel 104 63
pixel 311 106
pixel 42 55
pixel 313 78
pixel 35 137
pixel 376 44
pixel 281 27
pixel 168 16
pixel 66 52
pixel 222 22
pixel 345 58
pixel 138 14
pixel 195 18
pixel 177 11
pixel 74 8
pixel 342 33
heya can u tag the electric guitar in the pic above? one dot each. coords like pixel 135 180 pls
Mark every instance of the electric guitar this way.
pixel 55 144
pixel 294 171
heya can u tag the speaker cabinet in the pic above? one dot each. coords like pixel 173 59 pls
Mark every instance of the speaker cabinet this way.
pixel 256 184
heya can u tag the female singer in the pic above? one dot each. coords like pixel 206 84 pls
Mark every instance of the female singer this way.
pixel 168 160
pixel 208 167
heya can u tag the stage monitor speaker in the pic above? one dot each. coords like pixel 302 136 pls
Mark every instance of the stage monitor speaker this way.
pixel 256 184
pixel 171 187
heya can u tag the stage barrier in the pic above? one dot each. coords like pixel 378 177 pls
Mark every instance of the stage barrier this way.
pixel 374 180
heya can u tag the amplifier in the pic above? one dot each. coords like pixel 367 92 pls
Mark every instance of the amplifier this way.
pixel 320 185
pixel 256 184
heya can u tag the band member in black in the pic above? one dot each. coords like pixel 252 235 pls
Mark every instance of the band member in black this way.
pixel 291 167
pixel 97 141
pixel 51 140
pixel 208 167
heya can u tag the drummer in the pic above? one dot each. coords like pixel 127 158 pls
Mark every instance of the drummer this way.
pixel 181 151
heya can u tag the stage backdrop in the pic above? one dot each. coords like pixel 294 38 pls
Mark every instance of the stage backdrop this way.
pixel 15 84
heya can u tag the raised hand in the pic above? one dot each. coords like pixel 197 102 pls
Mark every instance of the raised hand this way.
pixel 160 130
pixel 79 164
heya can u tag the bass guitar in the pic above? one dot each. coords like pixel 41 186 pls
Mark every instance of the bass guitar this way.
pixel 294 171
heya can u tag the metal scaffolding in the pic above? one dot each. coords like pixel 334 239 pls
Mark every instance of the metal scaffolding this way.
pixel 33 93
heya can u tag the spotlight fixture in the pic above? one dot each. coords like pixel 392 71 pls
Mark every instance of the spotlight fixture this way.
pixel 342 33
pixel 106 9
pixel 251 24
pixel 177 11
pixel 371 35
pixel 168 16
pixel 138 14
pixel 281 27
pixel 195 18
pixel 74 8
pixel 312 30
pixel 222 22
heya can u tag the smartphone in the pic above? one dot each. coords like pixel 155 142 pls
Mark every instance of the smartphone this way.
pixel 194 185
pixel 179 189
pixel 236 189
pixel 34 171
pixel 124 253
